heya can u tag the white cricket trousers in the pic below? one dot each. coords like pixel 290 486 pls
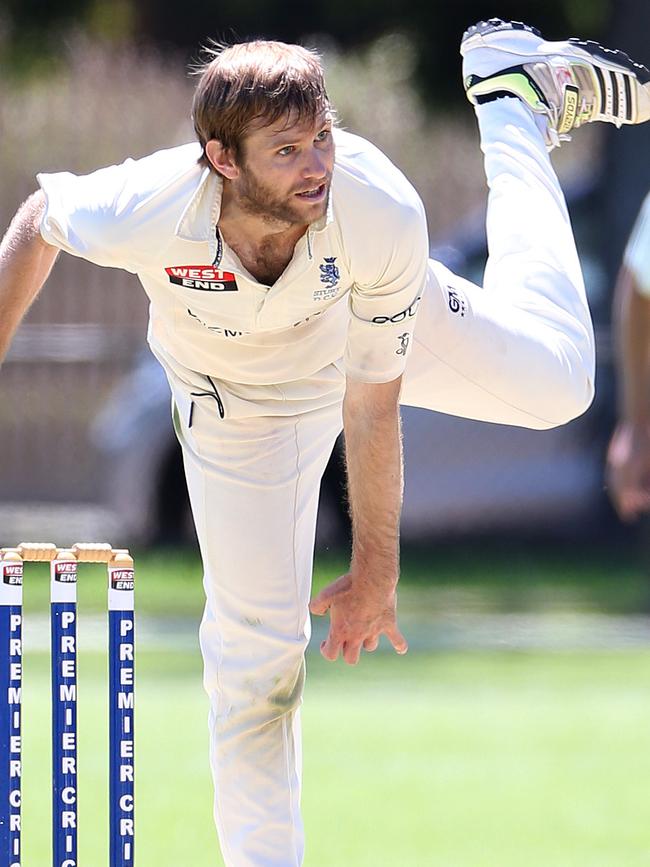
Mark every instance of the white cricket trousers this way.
pixel 518 351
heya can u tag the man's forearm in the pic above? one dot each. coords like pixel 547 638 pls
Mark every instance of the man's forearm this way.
pixel 374 463
pixel 633 339
pixel 25 262
pixel 363 603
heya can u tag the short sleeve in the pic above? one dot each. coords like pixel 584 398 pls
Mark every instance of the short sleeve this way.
pixel 637 252
pixel 89 215
pixel 388 284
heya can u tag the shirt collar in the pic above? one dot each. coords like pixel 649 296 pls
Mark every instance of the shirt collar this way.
pixel 201 214
pixel 328 216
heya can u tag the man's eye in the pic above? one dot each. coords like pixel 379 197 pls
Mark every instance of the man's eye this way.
pixel 323 135
pixel 285 151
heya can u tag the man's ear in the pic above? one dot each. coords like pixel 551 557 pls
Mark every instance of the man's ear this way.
pixel 221 159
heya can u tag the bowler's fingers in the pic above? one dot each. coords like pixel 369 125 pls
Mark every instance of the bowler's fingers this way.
pixel 397 639
pixel 352 652
pixel 352 649
pixel 330 648
pixel 322 602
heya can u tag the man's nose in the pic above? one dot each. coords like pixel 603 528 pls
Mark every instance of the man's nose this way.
pixel 316 164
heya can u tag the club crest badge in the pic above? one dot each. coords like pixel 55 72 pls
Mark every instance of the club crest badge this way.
pixel 329 273
pixel 329 277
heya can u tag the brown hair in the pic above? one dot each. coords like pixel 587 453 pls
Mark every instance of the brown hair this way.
pixel 241 83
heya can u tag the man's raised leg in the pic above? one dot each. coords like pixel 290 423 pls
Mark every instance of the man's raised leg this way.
pixel 520 350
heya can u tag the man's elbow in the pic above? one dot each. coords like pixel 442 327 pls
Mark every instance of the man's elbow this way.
pixel 25 227
pixel 32 212
pixel 374 399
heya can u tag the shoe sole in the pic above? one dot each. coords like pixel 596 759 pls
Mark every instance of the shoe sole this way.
pixel 578 49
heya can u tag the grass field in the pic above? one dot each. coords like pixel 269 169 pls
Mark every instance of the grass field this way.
pixel 492 575
pixel 456 759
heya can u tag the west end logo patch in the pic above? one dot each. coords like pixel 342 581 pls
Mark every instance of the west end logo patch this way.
pixel 204 277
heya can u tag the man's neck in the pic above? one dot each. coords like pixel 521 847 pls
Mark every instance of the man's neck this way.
pixel 264 246
pixel 253 230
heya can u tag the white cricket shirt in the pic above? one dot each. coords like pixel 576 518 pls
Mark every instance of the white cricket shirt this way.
pixel 346 301
pixel 637 251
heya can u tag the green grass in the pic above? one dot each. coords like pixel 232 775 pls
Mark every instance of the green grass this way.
pixel 454 759
pixel 457 760
pixel 490 576
pixel 467 760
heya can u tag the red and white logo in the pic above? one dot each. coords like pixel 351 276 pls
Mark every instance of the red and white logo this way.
pixel 65 572
pixel 12 574
pixel 122 579
pixel 202 277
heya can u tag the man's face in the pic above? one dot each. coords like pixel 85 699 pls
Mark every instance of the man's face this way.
pixel 286 170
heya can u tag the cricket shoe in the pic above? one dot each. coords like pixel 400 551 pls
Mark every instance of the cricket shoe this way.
pixel 567 83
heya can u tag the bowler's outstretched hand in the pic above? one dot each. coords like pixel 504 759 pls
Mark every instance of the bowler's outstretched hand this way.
pixel 360 612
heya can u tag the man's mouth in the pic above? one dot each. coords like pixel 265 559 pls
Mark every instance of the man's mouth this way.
pixel 314 194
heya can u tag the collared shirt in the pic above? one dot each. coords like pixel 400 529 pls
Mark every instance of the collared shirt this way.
pixel 637 250
pixel 346 300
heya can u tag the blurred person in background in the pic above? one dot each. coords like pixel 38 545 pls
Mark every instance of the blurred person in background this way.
pixel 628 459
pixel 286 262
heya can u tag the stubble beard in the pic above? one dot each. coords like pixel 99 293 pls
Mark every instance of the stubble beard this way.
pixel 257 200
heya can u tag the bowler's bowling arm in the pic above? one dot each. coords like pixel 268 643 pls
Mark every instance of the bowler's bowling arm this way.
pixel 374 463
pixel 25 262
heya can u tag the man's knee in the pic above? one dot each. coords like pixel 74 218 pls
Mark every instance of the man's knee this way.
pixel 580 399
pixel 570 396
pixel 286 694
pixel 245 700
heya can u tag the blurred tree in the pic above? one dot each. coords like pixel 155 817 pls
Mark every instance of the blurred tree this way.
pixel 434 27
pixel 31 31
pixel 34 27
pixel 113 20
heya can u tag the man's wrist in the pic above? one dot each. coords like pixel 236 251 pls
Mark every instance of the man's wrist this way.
pixel 380 570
